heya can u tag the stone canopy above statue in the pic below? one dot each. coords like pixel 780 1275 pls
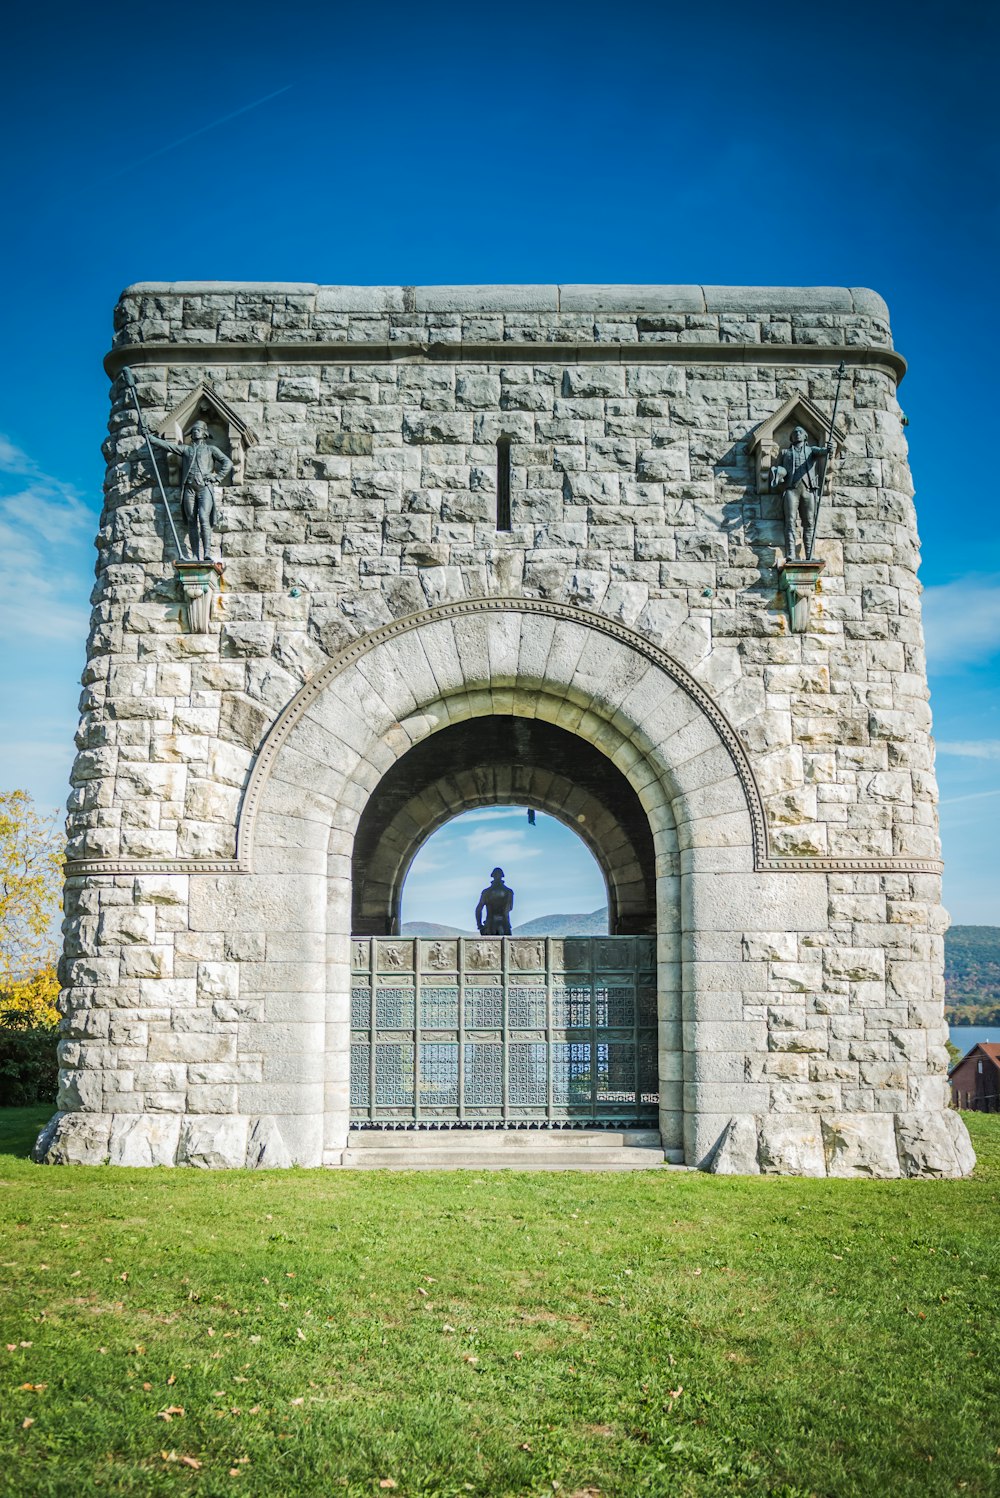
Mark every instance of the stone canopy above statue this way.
pixel 227 429
pixel 770 436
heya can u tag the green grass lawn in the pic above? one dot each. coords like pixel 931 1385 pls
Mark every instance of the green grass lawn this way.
pixel 297 1332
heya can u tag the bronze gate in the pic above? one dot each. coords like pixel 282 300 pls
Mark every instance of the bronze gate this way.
pixel 503 1032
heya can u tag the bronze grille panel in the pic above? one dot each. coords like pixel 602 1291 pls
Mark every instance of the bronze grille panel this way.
pixel 508 1032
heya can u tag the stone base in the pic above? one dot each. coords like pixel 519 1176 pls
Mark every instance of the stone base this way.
pixel 879 1146
pixel 798 582
pixel 199 583
pixel 882 1146
pixel 211 1141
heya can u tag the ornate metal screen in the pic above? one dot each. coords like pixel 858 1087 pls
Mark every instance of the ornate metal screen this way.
pixel 503 1032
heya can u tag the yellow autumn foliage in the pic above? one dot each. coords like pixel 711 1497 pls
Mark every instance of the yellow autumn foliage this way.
pixel 31 861
pixel 30 1003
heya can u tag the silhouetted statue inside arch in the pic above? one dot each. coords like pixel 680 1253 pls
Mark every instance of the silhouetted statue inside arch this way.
pixel 495 905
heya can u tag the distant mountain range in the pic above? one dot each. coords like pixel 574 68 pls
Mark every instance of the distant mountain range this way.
pixel 593 924
pixel 429 929
pixel 972 975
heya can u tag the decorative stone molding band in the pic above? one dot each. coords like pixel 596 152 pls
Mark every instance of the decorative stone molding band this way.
pixel 791 863
pixel 282 726
pixel 87 868
pixel 800 355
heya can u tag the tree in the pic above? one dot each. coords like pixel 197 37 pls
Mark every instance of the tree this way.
pixel 31 860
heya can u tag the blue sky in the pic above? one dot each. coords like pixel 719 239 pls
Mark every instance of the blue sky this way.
pixel 549 868
pixel 854 145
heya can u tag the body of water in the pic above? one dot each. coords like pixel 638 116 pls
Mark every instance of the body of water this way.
pixel 966 1036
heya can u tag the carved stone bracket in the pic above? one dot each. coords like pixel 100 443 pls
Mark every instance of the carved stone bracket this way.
pixel 200 584
pixel 798 583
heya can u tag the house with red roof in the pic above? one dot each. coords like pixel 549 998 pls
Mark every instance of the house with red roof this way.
pixel 975 1080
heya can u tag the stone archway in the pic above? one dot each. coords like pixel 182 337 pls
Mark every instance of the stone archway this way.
pixel 331 748
pixel 208 966
pixel 489 761
pixel 577 669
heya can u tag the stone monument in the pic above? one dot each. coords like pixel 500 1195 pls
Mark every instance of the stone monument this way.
pixel 492 545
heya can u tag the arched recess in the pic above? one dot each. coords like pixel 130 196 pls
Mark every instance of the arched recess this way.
pixel 489 761
pixel 342 734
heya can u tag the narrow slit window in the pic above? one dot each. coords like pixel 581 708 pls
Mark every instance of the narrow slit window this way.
pixel 503 484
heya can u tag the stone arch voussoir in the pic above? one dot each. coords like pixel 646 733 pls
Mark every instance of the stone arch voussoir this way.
pixel 589 675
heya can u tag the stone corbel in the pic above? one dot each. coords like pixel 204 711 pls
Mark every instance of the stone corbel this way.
pixel 798 583
pixel 201 584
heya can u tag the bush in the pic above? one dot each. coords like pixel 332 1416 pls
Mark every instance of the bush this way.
pixel 29 1071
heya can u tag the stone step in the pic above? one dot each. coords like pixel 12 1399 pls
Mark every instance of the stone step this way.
pixel 503 1159
pixel 503 1149
pixel 493 1139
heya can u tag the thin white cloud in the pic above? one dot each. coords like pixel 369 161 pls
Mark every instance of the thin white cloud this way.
pixel 972 796
pixel 495 814
pixel 52 620
pixel 971 748
pixel 45 551
pixel 45 510
pixel 12 459
pixel 962 621
pixel 183 140
pixel 506 844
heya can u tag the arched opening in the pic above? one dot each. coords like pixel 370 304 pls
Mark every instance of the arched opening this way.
pixel 319 774
pixel 502 1032
pixel 558 886
pixel 496 761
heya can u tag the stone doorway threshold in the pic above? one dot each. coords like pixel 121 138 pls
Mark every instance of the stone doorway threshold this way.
pixel 495 1149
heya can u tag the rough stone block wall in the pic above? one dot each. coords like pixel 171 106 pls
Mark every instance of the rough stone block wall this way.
pixel 364 424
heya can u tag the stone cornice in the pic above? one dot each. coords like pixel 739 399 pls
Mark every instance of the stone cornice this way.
pixel 763 860
pixel 574 351
pixel 641 298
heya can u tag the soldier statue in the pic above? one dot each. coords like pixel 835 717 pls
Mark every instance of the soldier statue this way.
pixel 202 465
pixel 800 485
pixel 495 905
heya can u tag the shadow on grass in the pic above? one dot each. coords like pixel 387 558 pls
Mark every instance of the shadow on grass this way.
pixel 19 1128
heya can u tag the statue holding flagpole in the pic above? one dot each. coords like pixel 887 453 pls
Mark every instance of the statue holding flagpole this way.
pixel 800 477
pixel 202 467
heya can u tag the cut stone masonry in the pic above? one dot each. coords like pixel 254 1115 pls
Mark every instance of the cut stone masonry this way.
pixel 368 600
